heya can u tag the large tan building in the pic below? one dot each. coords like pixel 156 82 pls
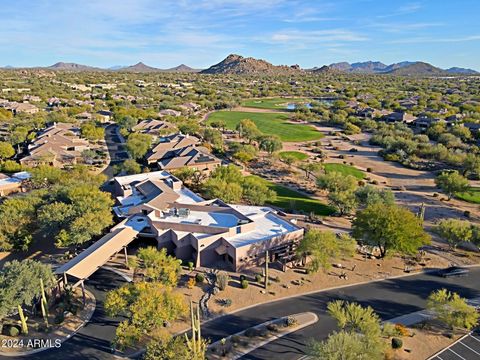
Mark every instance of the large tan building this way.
pixel 210 233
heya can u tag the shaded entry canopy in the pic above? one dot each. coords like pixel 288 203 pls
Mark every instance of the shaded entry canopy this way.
pixel 95 256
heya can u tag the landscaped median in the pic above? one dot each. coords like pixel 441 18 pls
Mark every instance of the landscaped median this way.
pixel 239 344
pixel 37 341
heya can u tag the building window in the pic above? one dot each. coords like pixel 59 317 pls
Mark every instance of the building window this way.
pixel 230 259
pixel 239 229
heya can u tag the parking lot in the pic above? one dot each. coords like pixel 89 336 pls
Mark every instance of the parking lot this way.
pixel 466 349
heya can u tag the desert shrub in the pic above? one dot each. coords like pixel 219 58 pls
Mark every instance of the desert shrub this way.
pixel 435 195
pixel 244 284
pixel 361 183
pixel 341 156
pixel 242 277
pixel 375 182
pixel 251 332
pixel 401 330
pixel 466 213
pixel 200 278
pixel 258 278
pixel 191 282
pixel 235 339
pixel 263 332
pixel 59 318
pixel 397 343
pixel 276 279
pixel 272 327
pixel 13 331
pixel 190 265
pixel 290 321
pixel 222 281
pixel 369 169
pixel 225 302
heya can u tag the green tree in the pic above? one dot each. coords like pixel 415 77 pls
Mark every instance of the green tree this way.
pixel 168 348
pixel 131 167
pixel 270 143
pixel 367 195
pixel 471 165
pixel 6 150
pixel 214 137
pixel 341 191
pixel 147 306
pixel 159 266
pixel 360 337
pixel 324 247
pixel 451 182
pixel 20 284
pixel 92 132
pixel 343 345
pixel 455 231
pixel 452 310
pixel 138 145
pixel 255 191
pixel 230 192
pixel 391 228
pixel 247 129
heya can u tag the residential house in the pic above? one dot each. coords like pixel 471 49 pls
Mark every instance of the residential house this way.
pixel 424 121
pixel 170 144
pixel 399 116
pixel 84 116
pixel 17 108
pixel 195 157
pixel 59 145
pixel 154 127
pixel 473 127
pixel 12 184
pixel 104 115
pixel 190 107
pixel 169 112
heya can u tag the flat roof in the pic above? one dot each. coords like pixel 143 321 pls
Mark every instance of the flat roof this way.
pixel 204 218
pixel 267 225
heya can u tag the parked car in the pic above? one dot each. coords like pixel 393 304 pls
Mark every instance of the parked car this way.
pixel 453 271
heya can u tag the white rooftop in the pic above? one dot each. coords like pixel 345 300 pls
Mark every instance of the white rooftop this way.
pixel 267 225
pixel 214 219
pixel 128 179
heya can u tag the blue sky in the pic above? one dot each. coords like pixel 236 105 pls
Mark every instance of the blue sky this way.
pixel 165 33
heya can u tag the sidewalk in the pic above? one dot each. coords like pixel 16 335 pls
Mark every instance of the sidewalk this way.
pixel 419 316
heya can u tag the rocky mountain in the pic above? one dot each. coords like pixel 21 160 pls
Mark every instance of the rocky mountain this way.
pixel 236 64
pixel 72 67
pixel 459 70
pixel 182 68
pixel 139 68
pixel 325 69
pixel 417 69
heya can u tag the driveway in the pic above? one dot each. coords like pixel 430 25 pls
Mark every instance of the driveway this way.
pixel 94 339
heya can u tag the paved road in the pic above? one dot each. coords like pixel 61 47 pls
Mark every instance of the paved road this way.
pixel 116 151
pixel 93 340
pixel 390 298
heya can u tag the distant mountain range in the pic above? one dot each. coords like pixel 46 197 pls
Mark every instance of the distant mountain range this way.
pixel 401 68
pixel 239 65
pixel 139 67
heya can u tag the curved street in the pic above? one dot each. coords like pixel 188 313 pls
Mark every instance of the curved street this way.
pixel 389 298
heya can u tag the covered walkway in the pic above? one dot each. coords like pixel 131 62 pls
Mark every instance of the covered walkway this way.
pixel 97 255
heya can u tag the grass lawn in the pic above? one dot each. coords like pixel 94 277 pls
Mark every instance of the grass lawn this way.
pixel 300 156
pixel 269 124
pixel 345 170
pixel 272 104
pixel 472 196
pixel 289 200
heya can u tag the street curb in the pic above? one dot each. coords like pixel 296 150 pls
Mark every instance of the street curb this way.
pixel 127 278
pixel 36 351
pixel 274 337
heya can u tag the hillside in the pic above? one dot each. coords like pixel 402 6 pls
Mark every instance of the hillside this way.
pixel 239 65
pixel 417 69
pixel 182 68
pixel 140 68
pixel 72 67
pixel 459 70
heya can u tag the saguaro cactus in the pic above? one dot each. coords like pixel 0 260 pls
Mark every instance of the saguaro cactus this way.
pixel 23 321
pixel 267 261
pixel 44 303
pixel 196 344
pixel 421 213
